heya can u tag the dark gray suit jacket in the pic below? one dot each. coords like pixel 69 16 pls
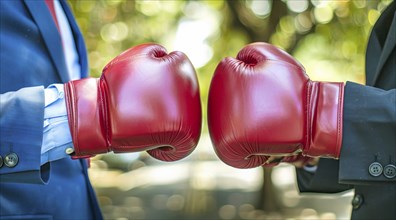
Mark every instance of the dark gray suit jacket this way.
pixel 369 132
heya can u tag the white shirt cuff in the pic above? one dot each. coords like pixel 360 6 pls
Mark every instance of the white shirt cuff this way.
pixel 56 131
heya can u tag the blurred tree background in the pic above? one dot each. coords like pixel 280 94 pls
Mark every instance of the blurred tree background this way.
pixel 328 37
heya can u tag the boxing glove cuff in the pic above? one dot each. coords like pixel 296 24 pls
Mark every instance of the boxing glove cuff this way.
pixel 325 113
pixel 86 114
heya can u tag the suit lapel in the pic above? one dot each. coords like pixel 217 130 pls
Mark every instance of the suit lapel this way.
pixel 389 46
pixel 50 34
pixel 78 39
pixel 372 58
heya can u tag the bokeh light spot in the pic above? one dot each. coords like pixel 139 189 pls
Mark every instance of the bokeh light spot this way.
pixel 260 8
pixel 114 32
pixel 323 14
pixel 373 15
pixel 227 212
pixel 297 6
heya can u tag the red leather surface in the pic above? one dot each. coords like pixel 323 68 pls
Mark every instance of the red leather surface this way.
pixel 85 117
pixel 258 107
pixel 326 105
pixel 151 102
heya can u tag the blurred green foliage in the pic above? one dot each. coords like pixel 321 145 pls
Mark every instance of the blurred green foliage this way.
pixel 328 37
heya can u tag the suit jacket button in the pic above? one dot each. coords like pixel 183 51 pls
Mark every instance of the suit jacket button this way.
pixel 1 161
pixel 11 160
pixel 357 201
pixel 390 171
pixel 375 169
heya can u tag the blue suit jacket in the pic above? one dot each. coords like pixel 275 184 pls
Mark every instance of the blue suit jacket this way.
pixel 31 58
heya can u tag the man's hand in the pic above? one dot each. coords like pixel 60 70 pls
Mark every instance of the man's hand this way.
pixel 298 161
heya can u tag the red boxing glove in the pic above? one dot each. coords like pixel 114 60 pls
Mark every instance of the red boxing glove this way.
pixel 263 104
pixel 145 99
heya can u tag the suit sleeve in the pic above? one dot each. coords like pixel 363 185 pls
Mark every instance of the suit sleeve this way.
pixel 324 180
pixel 369 133
pixel 21 132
